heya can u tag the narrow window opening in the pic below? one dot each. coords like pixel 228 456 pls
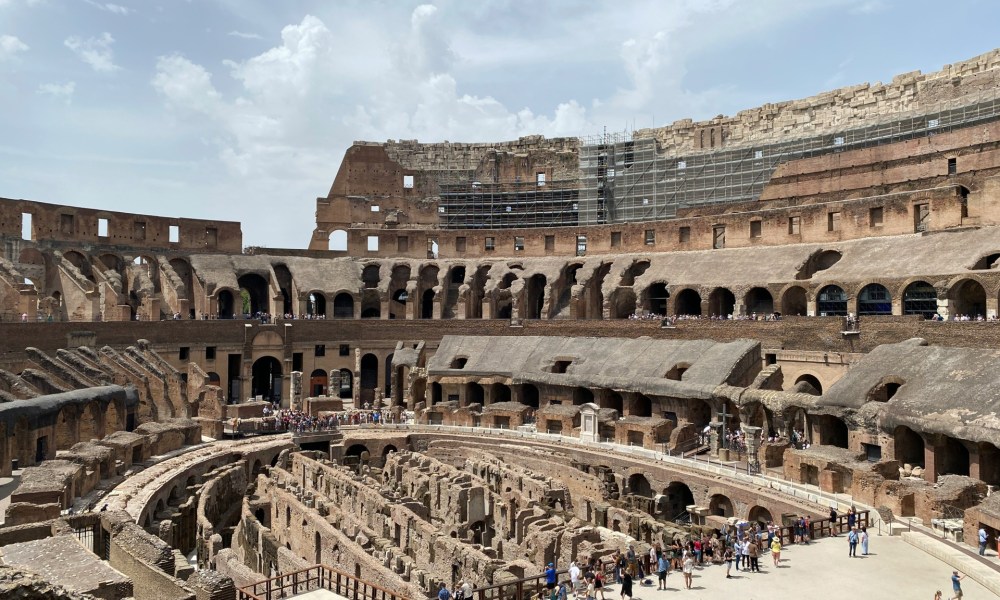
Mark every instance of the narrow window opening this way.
pixel 102 228
pixel 26 226
pixel 373 243
pixel 518 243
pixel 755 228
pixel 952 166
pixel 875 216
pixel 174 234
pixel 408 182
pixel 650 237
pixel 685 234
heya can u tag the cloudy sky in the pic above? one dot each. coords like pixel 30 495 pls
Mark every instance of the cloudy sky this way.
pixel 242 109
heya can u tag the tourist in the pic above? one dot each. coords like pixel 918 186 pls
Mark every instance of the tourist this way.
pixel 626 585
pixel 550 576
pixel 618 565
pixel 599 579
pixel 937 595
pixel 662 567
pixel 982 541
pixel 443 593
pixel 956 585
pixel 776 550
pixel 728 557
pixel 852 543
pixel 833 521
pixel 863 538
pixel 753 551
pixel 688 568
pixel 574 577
pixel 851 518
pixel 465 589
pixel 591 592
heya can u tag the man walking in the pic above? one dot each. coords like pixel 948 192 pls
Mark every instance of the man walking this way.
pixel 852 542
pixel 982 541
pixel 754 553
pixel 956 585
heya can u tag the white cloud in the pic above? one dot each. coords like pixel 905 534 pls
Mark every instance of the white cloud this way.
pixel 245 35
pixel 117 9
pixel 58 91
pixel 10 46
pixel 96 52
pixel 186 85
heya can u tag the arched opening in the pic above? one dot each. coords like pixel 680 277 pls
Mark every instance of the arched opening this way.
pixel 678 497
pixel 635 270
pixel 256 293
pixel 529 395
pixel 358 450
pixel 760 514
pixel 337 241
pixel 397 292
pixel 369 378
pixel 688 303
pixel 638 485
pixel 832 431
pixel 283 277
pixel 622 303
pixel 909 446
pixel 874 299
pixel 346 385
pixel 437 394
pixel 920 298
pixel 534 297
pixel 582 395
pixel 317 305
pixel 989 463
pixel 477 291
pixel 969 298
pixel 318 552
pixel 267 378
pixel 986 261
pixel 427 304
pixel 885 389
pixel 474 393
pixel 658 298
pixel 343 306
pixel 721 506
pixel 820 260
pixel 389 449
pixel 721 302
pixel 642 406
pixel 759 301
pixel 317 383
pixel 500 392
pixel 370 276
pixel 227 306
pixel 456 277
pixel 832 302
pixel 808 384
pixel 614 401
pixel 371 307
pixel 793 301
pixel 955 460
pixel 387 374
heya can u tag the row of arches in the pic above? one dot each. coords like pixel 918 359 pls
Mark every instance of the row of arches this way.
pixel 267 376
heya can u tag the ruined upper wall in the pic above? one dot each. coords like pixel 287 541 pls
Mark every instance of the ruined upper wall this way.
pixel 411 154
pixel 60 223
pixel 852 107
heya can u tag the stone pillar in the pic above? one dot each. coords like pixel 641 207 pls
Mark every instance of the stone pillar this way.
pixel 975 468
pixel 295 390
pixel 810 308
pixel 930 458
pixel 991 306
pixel 385 306
pixel 752 435
pixel 716 436
pixel 943 308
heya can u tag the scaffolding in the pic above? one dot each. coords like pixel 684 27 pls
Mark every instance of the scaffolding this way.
pixel 624 178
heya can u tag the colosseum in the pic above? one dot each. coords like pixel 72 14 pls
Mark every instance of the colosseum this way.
pixel 496 356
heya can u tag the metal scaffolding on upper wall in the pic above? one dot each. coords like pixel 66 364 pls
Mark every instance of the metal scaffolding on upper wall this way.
pixel 624 178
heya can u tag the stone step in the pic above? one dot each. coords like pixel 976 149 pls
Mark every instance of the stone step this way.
pixel 985 575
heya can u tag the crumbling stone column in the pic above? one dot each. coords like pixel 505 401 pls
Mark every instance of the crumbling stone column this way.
pixel 715 442
pixel 295 392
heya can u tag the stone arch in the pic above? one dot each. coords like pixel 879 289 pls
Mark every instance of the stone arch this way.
pixel 530 395
pixel 500 392
pixel 360 451
pixel 635 270
pixel 638 485
pixel 815 387
pixel 819 260
pixel 721 302
pixel 318 381
pixel 954 458
pixel 657 298
pixel 226 301
pixel 316 304
pixel 474 393
pixel 760 514
pixel 831 301
pixel 398 293
pixel 582 395
pixel 908 446
pixel 266 378
pixel 885 389
pixel 832 431
pixel 642 406
pixel 968 297
pixel 369 378
pixel 337 241
pixel 920 298
pixel 346 387
pixel 343 306
pixel 874 299
pixel 687 302
pixel 721 506
pixel 614 401
pixel 794 301
pixel 256 287
pixel 759 301
pixel 622 303
pixel 534 296
pixel 677 496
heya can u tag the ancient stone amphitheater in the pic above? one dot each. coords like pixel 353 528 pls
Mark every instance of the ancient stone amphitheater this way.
pixel 494 356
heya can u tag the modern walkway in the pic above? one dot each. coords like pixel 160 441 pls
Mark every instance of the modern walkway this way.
pixel 895 570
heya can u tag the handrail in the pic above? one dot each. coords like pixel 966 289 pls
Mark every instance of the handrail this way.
pixel 313 578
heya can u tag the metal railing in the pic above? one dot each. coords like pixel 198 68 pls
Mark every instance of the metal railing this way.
pixel 318 577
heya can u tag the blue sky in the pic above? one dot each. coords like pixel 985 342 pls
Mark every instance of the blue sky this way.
pixel 242 109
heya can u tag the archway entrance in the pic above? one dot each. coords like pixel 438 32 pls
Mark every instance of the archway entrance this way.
pixel 721 506
pixel 677 498
pixel 227 306
pixel 969 298
pixel 369 378
pixel 534 297
pixel 832 302
pixel 267 378
pixel 920 298
pixel 909 446
pixel 874 299
pixel 255 287
pixel 793 302
pixel 688 303
pixel 658 297
pixel 317 383
pixel 721 302
pixel 343 306
pixel 638 485
pixel 832 431
pixel 759 301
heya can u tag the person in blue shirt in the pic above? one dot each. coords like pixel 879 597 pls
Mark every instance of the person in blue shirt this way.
pixel 443 593
pixel 550 576
pixel 662 567
pixel 956 585
pixel 852 541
